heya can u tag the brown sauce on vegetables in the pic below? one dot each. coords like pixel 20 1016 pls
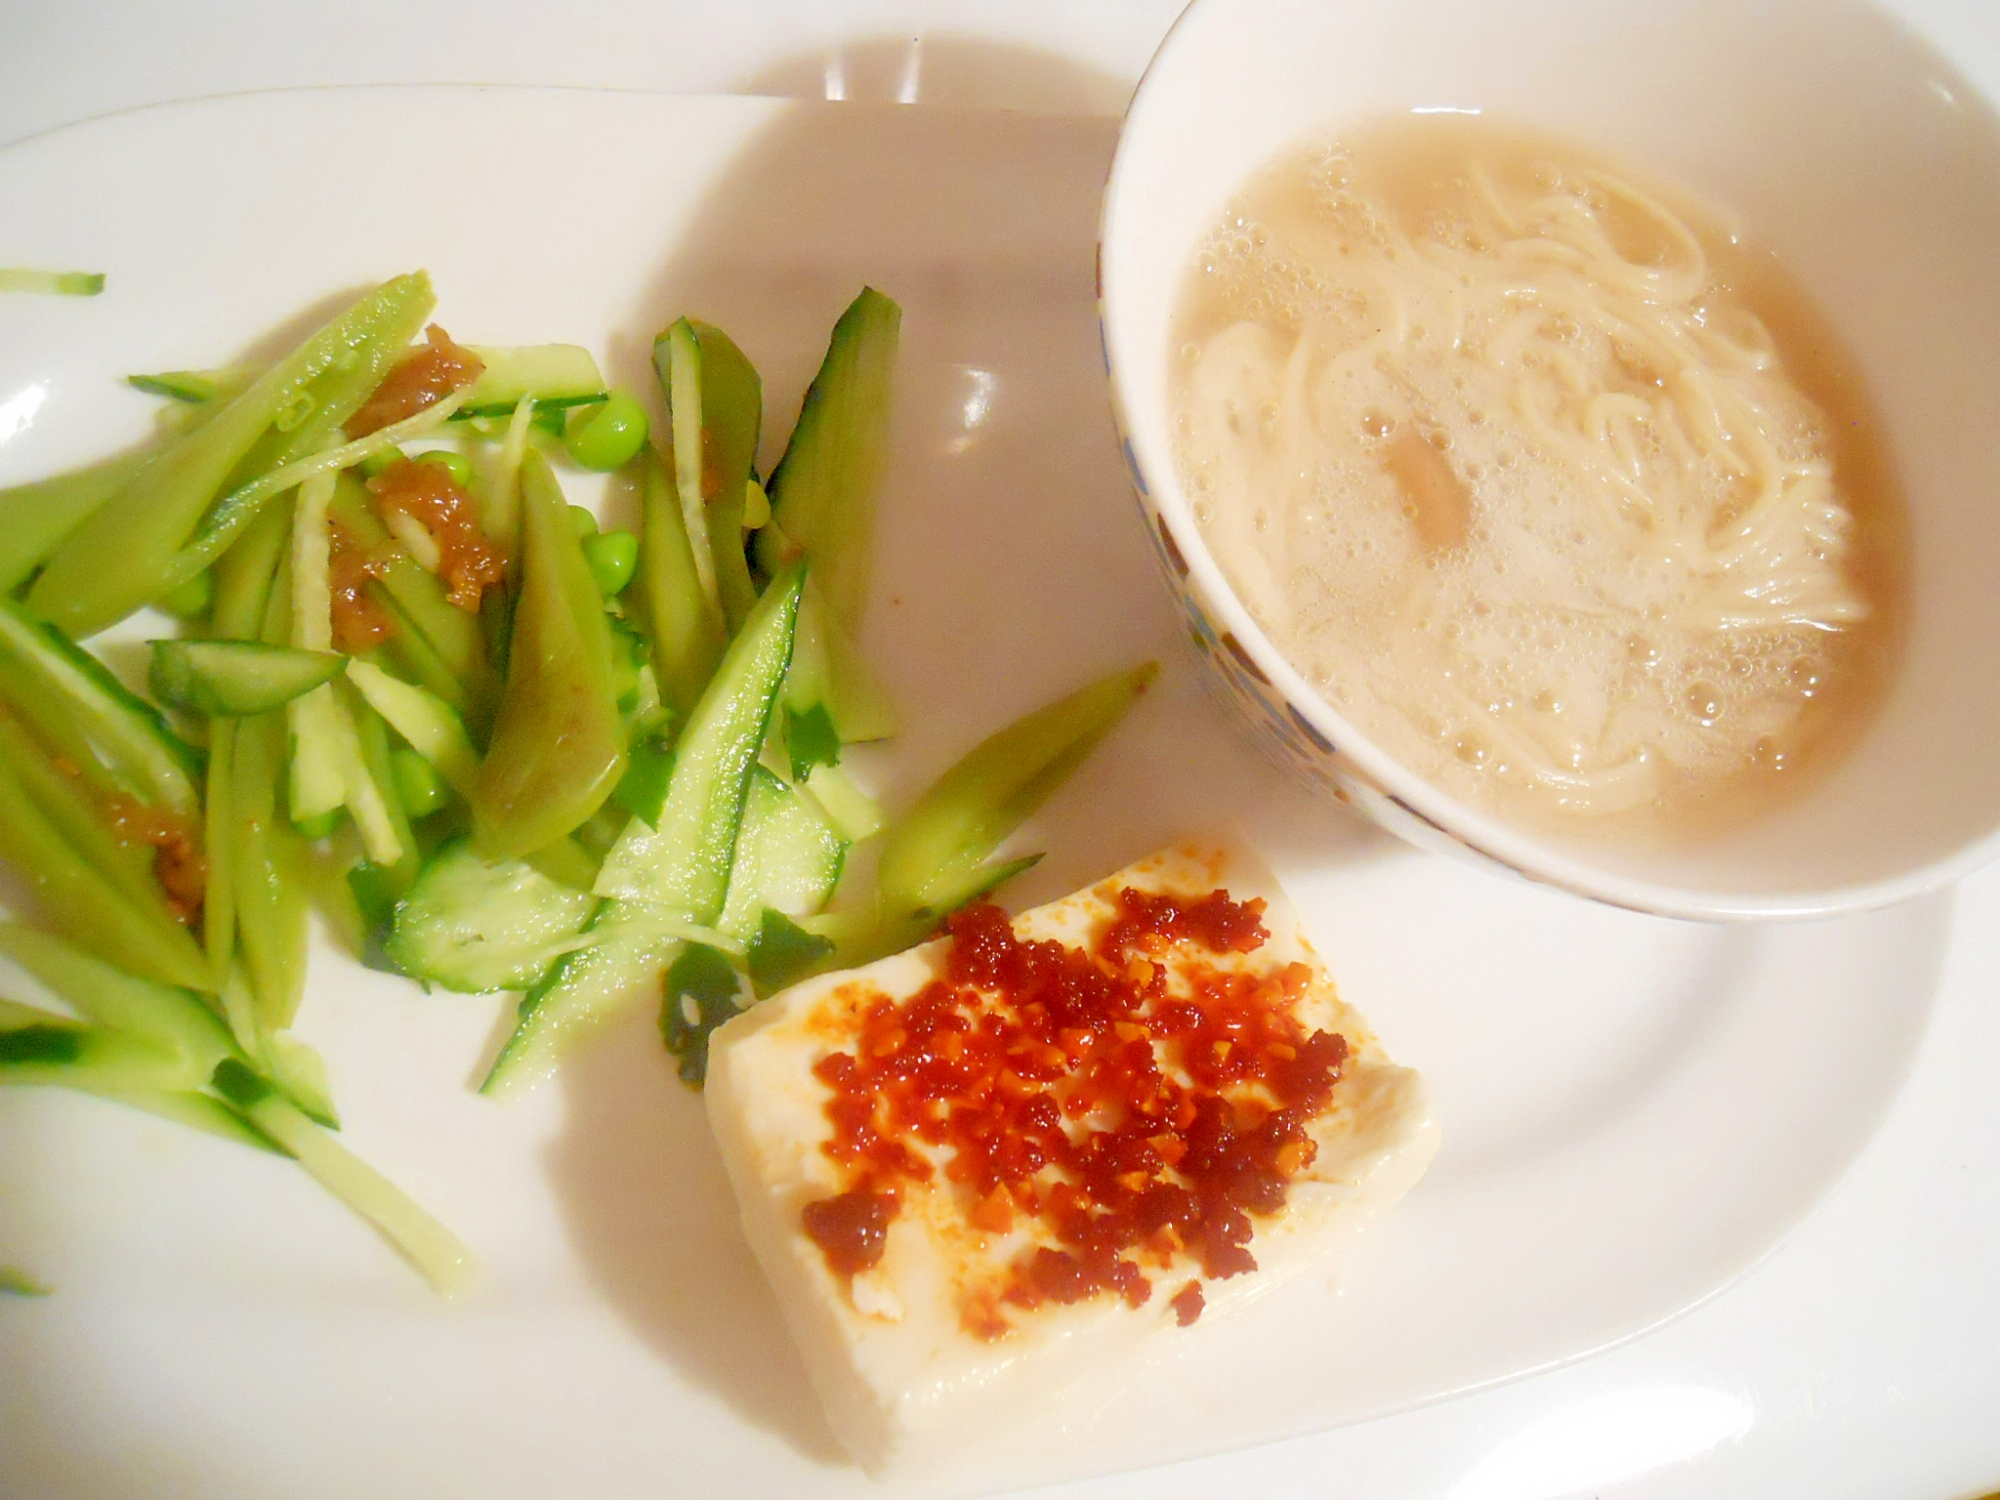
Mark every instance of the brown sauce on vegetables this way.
pixel 421 378
pixel 467 562
pixel 178 863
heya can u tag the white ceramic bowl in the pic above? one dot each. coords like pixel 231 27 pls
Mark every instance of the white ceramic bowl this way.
pixel 1846 145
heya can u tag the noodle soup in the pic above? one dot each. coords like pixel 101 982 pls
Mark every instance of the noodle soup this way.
pixel 1553 485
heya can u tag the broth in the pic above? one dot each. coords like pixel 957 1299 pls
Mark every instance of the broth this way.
pixel 1552 484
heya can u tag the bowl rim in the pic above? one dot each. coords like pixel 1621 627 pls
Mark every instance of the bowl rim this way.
pixel 1536 859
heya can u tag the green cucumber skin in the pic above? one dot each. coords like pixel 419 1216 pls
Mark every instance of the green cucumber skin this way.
pixel 823 490
pixel 556 376
pixel 788 858
pixel 683 863
pixel 232 679
pixel 68 680
pixel 621 968
pixel 477 927
pixel 931 860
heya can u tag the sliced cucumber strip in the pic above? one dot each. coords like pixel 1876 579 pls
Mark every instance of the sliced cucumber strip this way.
pixel 683 863
pixel 194 386
pixel 476 926
pixel 228 679
pixel 58 682
pixel 629 952
pixel 788 858
pixel 554 376
pixel 38 1047
pixel 51 283
pixel 932 860
pixel 167 1018
pixel 422 718
pixel 823 490
pixel 558 743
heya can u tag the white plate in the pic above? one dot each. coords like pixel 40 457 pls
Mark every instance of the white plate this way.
pixel 1634 1110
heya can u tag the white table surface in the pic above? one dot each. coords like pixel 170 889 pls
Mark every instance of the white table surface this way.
pixel 1862 1358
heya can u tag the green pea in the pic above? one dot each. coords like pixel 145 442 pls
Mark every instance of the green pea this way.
pixel 321 825
pixel 418 786
pixel 375 463
pixel 608 435
pixel 582 521
pixel 452 462
pixel 190 600
pixel 613 557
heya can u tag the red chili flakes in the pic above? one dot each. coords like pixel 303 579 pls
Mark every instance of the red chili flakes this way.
pixel 467 561
pixel 1187 1303
pixel 850 1228
pixel 178 863
pixel 1131 1122
pixel 421 378
pixel 359 622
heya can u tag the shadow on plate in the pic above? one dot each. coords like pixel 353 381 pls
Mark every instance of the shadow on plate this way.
pixel 1012 565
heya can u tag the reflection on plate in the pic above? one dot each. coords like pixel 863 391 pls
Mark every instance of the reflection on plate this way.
pixel 1633 1110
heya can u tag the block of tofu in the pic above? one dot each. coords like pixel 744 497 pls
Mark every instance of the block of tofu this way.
pixel 1032 1152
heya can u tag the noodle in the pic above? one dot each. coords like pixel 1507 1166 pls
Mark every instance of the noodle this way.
pixel 1627 569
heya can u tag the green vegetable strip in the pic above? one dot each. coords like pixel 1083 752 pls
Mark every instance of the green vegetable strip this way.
pixel 61 1054
pixel 318 770
pixel 424 720
pixel 823 490
pixel 856 814
pixel 558 744
pixel 270 917
pixel 124 556
pixel 687 629
pixel 433 1249
pixel 59 680
pixel 170 1019
pixel 385 831
pixel 51 283
pixel 931 860
pixel 218 902
pixel 83 904
pixel 730 419
pixel 76 814
pixel 312 589
pixel 682 864
pixel 683 384
pixel 502 518
pixel 196 1111
pixel 629 954
pixel 36 517
pixel 14 1282
pixel 409 656
pixel 196 387
pixel 828 671
pixel 300 1073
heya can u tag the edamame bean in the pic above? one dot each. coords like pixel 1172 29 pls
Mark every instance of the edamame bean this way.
pixel 608 435
pixel 452 462
pixel 613 557
pixel 375 463
pixel 582 521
